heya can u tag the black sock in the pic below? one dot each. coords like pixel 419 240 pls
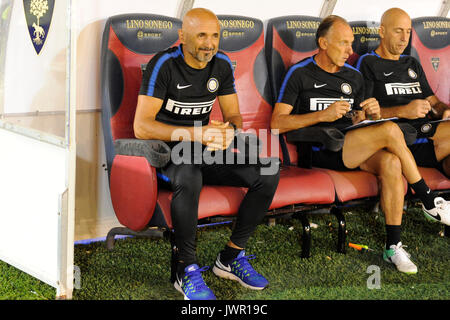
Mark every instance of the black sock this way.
pixel 228 254
pixel 424 193
pixel 392 235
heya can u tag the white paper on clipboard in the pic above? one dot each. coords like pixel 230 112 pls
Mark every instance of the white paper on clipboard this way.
pixel 366 123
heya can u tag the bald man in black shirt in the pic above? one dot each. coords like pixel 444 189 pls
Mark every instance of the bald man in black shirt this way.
pixel 400 85
pixel 178 91
pixel 324 91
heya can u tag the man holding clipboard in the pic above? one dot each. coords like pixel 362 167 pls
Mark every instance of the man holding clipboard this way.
pixel 399 83
pixel 325 91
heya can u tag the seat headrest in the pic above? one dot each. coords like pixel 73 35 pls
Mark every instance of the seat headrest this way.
pixel 433 32
pixel 145 33
pixel 238 32
pixel 297 32
pixel 367 38
pixel 289 40
pixel 242 40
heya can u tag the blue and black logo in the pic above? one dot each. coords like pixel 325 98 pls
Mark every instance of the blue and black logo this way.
pixel 38 14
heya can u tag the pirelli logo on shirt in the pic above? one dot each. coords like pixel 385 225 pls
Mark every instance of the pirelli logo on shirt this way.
pixel 189 109
pixel 318 104
pixel 403 88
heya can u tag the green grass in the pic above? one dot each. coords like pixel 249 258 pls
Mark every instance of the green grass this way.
pixel 139 269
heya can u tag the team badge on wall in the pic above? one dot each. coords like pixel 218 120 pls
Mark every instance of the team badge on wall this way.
pixel 38 14
pixel 435 63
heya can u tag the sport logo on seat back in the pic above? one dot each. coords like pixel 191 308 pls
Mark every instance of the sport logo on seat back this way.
pixel 129 42
pixel 431 46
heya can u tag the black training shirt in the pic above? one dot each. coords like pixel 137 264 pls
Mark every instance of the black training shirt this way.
pixel 309 88
pixel 393 82
pixel 188 93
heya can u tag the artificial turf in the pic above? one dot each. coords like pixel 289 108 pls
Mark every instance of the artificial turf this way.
pixel 139 269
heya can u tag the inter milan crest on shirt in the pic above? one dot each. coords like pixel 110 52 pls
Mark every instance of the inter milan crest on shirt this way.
pixel 213 85
pixel 412 74
pixel 38 14
pixel 346 88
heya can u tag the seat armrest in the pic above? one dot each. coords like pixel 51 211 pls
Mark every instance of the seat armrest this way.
pixel 156 152
pixel 331 138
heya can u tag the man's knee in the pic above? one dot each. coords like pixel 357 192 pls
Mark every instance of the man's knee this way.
pixel 187 177
pixel 269 179
pixel 391 130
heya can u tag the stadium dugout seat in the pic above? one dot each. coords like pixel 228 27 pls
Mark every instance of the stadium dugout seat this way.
pixel 284 44
pixel 430 44
pixel 129 41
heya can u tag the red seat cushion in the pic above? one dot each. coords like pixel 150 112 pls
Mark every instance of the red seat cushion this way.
pixel 434 178
pixel 350 185
pixel 133 189
pixel 298 185
pixel 214 201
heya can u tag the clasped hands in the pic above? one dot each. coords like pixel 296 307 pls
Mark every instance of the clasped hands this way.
pixel 218 135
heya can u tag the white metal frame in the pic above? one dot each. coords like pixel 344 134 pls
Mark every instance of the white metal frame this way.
pixel 57 271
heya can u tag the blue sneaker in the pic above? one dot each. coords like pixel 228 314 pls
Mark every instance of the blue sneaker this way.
pixel 192 285
pixel 240 270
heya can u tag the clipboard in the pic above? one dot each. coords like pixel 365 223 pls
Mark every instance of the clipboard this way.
pixel 367 123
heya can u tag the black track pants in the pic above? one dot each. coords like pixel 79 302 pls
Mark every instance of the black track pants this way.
pixel 187 180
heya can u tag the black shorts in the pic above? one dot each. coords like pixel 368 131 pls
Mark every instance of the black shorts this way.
pixel 425 128
pixel 327 159
pixel 424 154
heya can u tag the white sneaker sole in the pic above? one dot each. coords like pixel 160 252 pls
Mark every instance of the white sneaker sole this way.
pixel 177 286
pixel 429 216
pixel 407 272
pixel 227 275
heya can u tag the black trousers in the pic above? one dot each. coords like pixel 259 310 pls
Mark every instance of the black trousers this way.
pixel 186 182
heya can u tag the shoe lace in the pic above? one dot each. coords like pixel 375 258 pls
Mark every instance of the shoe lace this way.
pixel 440 203
pixel 195 278
pixel 243 267
pixel 402 251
